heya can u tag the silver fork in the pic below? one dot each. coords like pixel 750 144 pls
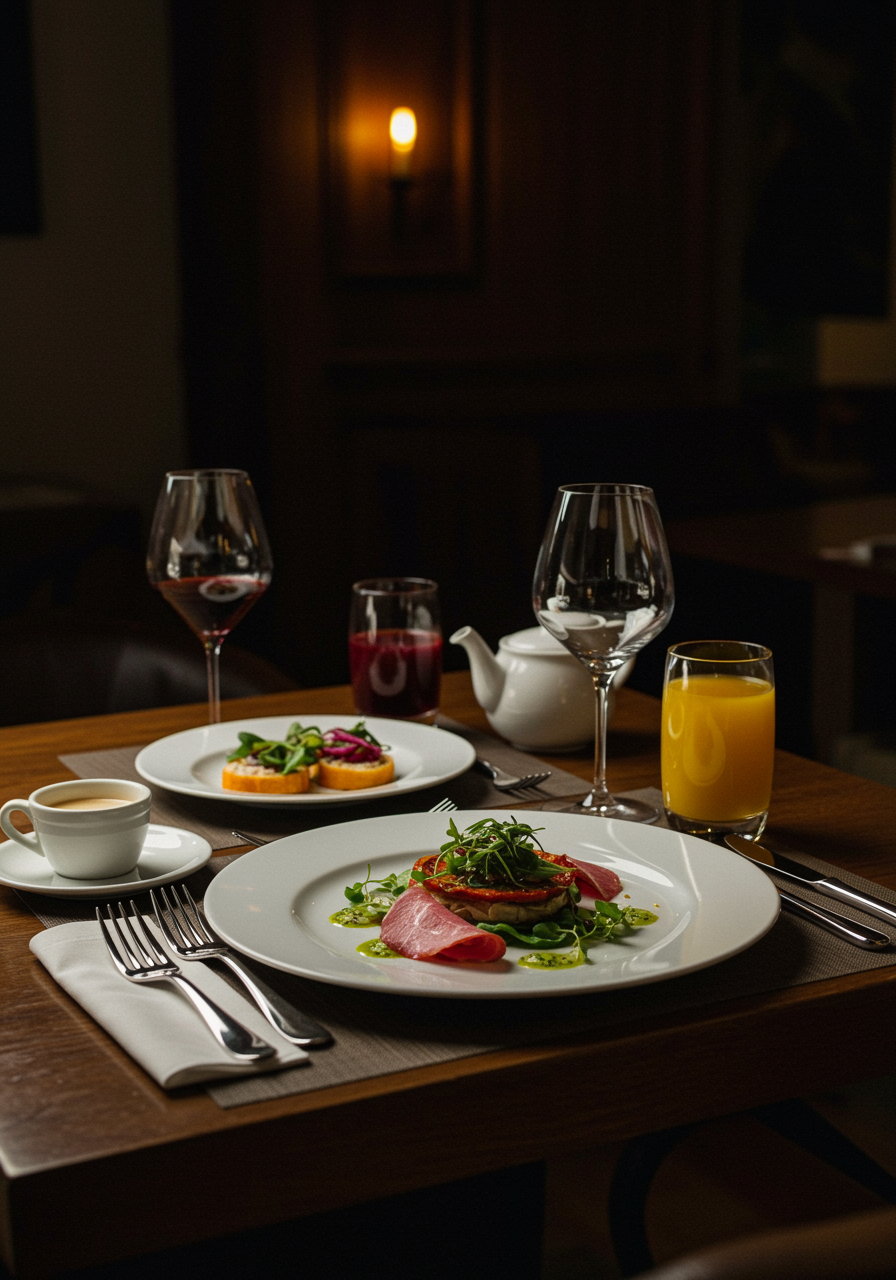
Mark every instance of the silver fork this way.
pixel 145 961
pixel 190 936
pixel 241 835
pixel 506 781
pixel 444 806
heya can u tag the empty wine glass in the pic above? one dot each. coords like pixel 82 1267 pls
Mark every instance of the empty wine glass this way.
pixel 603 587
pixel 209 557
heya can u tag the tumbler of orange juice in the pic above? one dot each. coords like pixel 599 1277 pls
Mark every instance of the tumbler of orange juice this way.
pixel 718 737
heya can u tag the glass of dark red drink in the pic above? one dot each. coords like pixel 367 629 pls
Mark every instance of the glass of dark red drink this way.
pixel 209 557
pixel 395 647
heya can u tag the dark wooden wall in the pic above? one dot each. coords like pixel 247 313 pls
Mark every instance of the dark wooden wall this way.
pixel 419 425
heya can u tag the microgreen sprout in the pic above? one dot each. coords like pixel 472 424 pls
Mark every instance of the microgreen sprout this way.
pixel 375 897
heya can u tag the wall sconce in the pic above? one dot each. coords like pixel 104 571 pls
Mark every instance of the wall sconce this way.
pixel 400 180
pixel 403 139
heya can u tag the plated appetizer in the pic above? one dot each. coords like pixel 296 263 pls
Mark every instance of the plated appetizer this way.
pixel 340 759
pixel 490 887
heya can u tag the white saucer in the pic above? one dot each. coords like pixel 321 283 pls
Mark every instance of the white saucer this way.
pixel 170 853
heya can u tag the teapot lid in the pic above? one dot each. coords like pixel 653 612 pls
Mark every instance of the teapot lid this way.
pixel 533 641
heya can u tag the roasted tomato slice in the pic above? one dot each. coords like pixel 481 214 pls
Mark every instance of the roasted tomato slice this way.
pixel 452 887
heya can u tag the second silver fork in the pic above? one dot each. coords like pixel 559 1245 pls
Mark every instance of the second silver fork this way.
pixel 190 937
pixel 503 781
pixel 143 960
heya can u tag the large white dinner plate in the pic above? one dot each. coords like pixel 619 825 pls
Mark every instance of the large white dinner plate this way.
pixel 273 904
pixel 191 762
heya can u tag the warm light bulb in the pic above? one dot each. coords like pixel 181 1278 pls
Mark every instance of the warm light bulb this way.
pixel 403 129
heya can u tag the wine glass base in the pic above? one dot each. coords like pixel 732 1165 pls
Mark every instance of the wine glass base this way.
pixel 609 807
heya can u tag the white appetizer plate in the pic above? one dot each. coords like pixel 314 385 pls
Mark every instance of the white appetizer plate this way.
pixel 273 904
pixel 170 853
pixel 191 762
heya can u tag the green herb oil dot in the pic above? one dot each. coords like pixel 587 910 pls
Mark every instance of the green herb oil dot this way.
pixel 374 947
pixel 551 960
pixel 357 918
pixel 637 917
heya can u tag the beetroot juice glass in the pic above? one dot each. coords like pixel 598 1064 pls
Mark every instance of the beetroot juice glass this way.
pixel 395 647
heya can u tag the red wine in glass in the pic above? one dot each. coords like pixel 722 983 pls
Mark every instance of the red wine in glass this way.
pixel 396 673
pixel 209 557
pixel 212 606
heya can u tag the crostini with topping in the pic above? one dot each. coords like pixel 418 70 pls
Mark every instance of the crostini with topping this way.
pixel 339 759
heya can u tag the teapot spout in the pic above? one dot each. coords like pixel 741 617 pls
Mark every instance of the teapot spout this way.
pixel 488 674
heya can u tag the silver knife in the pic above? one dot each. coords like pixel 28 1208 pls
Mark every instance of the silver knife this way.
pixel 860 935
pixel 799 873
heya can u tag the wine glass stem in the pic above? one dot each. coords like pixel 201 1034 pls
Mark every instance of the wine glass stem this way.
pixel 212 654
pixel 599 792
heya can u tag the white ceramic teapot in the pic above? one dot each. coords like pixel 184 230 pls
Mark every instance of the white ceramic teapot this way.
pixel 535 693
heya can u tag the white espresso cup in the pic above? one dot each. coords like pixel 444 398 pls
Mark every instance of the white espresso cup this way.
pixel 84 843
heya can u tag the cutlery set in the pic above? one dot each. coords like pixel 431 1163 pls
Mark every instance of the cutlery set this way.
pixel 798 873
pixel 138 957
pixel 190 937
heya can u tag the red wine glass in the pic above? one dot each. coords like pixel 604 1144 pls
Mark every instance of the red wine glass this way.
pixel 209 557
pixel 395 648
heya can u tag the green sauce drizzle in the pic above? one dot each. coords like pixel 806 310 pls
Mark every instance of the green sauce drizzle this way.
pixel 552 960
pixel 358 917
pixel 637 917
pixel 377 949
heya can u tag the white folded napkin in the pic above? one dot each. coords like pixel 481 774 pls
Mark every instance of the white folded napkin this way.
pixel 153 1021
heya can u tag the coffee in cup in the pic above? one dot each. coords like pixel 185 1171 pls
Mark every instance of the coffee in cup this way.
pixel 87 829
pixel 89 802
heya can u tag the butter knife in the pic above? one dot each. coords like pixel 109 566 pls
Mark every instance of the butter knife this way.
pixel 799 873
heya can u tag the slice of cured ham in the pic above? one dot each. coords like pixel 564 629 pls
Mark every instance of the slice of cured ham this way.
pixel 595 881
pixel 419 927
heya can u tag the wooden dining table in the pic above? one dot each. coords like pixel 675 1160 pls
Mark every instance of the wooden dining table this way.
pixel 82 1126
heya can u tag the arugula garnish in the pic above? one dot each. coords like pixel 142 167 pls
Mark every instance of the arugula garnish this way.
pixel 300 747
pixel 489 852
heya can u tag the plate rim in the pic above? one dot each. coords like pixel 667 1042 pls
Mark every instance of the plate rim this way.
pixel 762 882
pixel 303 800
pixel 96 889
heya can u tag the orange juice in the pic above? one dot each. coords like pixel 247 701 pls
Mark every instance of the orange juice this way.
pixel 718 742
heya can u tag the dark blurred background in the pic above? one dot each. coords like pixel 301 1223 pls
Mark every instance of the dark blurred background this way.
pixel 642 242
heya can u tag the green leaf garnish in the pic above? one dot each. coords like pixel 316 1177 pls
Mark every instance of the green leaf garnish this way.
pixel 301 747
pixel 489 852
